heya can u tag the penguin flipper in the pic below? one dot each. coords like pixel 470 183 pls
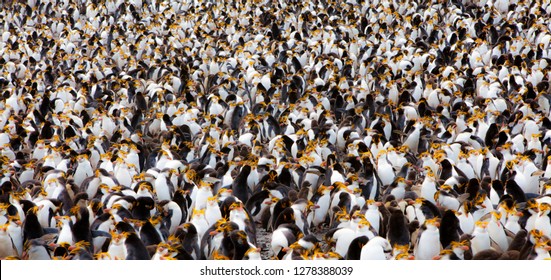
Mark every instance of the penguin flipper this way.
pixel 49 230
pixel 495 246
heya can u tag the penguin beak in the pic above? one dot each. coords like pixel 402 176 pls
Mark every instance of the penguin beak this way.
pixel 213 233
pixel 465 248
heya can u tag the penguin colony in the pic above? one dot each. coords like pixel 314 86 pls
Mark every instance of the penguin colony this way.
pixel 384 129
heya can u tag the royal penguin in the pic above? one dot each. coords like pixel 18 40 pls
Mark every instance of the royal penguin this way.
pixel 282 237
pixel 322 199
pixel 480 240
pixel 427 244
pixel 378 248
pixel 450 230
pixel 135 248
pixel 189 239
pixel 7 247
pixel 172 215
pixel 397 232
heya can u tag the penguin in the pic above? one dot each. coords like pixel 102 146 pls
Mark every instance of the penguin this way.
pixel 163 252
pixel 212 242
pixel 427 244
pixel 374 216
pixel 322 200
pixel 466 219
pixel 542 250
pixel 172 215
pixel 300 209
pixel 377 248
pixel 199 222
pixel 188 238
pixel 237 245
pixel 345 236
pixel 212 211
pixel 117 249
pixel 83 169
pixel 239 185
pixel 450 230
pixel 253 254
pixel 397 232
pixel 397 188
pixel 65 225
pixel 135 248
pixel 258 203
pixel 7 247
pixel 421 210
pixel 446 199
pixel 164 188
pixel 81 227
pixel 240 216
pixel 454 251
pixel 279 207
pixel 282 237
pixel 497 232
pixel 480 238
pixel 15 232
pixel 141 210
pixel 38 249
pixel 80 251
pixel 543 220
pixel 153 232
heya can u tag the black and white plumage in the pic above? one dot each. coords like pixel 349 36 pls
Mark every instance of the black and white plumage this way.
pixel 142 117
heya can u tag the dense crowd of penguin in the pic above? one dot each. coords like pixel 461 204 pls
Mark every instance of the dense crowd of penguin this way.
pixel 380 129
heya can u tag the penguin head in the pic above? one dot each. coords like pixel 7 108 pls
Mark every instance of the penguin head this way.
pixel 481 225
pixel 544 209
pixel 156 220
pixel 434 222
pixel 536 235
pixel 62 220
pixel 364 224
pixel 460 245
pixel 212 201
pixel 341 216
pixel 198 213
pixel 324 189
pixel 357 216
pixel 238 205
pixel 496 215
